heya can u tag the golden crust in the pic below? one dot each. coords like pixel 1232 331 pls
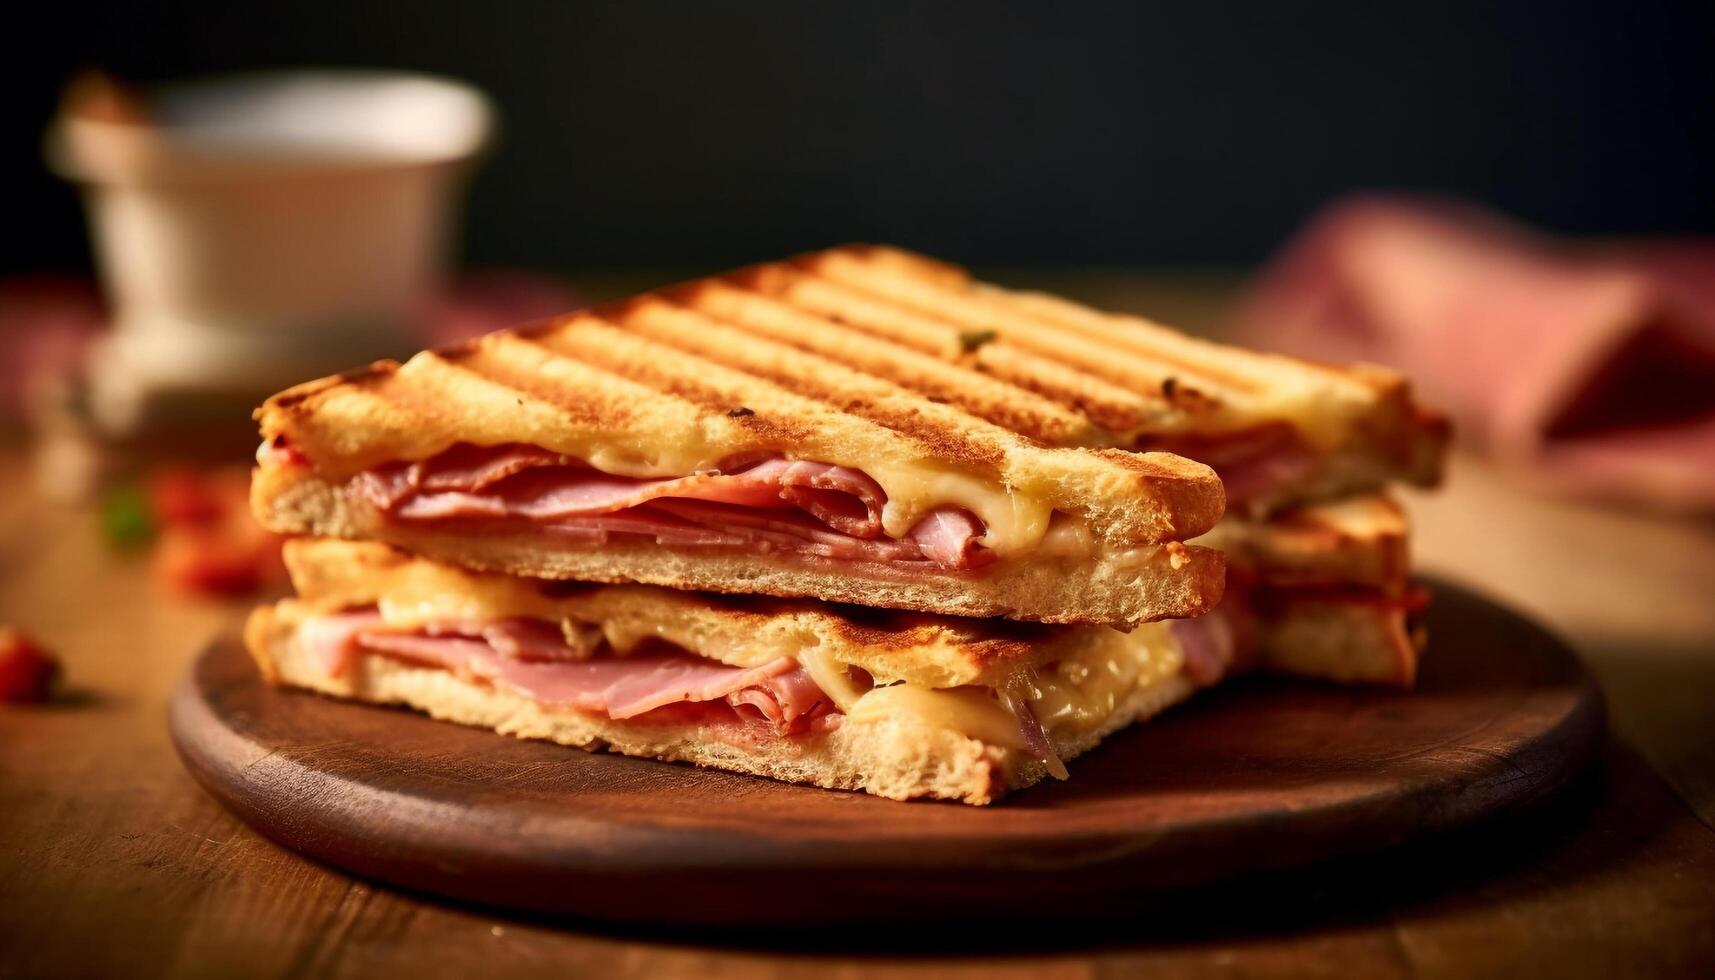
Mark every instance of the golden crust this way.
pixel 1343 642
pixel 1362 541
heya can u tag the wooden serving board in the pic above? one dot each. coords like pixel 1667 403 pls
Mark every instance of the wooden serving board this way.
pixel 1261 774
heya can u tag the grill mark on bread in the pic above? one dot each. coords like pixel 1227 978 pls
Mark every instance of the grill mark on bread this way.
pixel 966 313
pixel 802 287
pixel 1031 388
pixel 1205 363
pixel 1010 407
pixel 1115 409
pixel 568 384
pixel 951 434
pixel 854 354
pixel 295 397
pixel 1119 410
pixel 777 414
pixel 1067 352
pixel 959 298
pixel 439 388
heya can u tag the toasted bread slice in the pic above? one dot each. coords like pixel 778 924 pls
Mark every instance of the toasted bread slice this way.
pixel 1359 542
pixel 905 705
pixel 1136 585
pixel 636 403
pixel 1345 641
pixel 903 758
pixel 1327 590
pixel 857 354
pixel 743 631
pixel 1024 411
pixel 1096 378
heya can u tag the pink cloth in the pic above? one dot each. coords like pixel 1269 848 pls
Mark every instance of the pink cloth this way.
pixel 1591 368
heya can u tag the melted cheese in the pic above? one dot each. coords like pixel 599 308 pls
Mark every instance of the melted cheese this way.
pixel 834 678
pixel 624 635
pixel 419 594
pixel 970 711
pixel 1080 692
pixel 1016 520
pixel 1068 536
pixel 1071 699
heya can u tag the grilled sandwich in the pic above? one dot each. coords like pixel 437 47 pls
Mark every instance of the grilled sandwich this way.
pixel 860 425
pixel 1324 591
pixel 896 703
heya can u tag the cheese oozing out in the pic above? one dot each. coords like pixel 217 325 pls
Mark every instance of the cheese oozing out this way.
pixel 1015 520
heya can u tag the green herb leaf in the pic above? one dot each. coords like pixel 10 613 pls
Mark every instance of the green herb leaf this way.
pixel 126 521
pixel 970 340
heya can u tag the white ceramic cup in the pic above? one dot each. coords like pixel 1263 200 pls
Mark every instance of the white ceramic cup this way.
pixel 262 229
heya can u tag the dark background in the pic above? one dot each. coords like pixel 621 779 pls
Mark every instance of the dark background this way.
pixel 688 134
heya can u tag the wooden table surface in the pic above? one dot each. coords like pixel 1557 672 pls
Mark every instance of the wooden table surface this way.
pixel 113 862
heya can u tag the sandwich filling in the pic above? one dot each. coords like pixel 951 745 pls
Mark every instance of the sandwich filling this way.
pixel 556 664
pixel 760 503
pixel 661 679
pixel 1272 465
pixel 1326 591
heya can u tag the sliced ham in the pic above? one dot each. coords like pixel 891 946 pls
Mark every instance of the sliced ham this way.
pixel 645 682
pixel 784 697
pixel 599 529
pixel 448 652
pixel 467 467
pixel 761 504
pixel 948 536
pixel 844 499
pixel 785 530
pixel 506 654
pixel 522 638
pixel 1253 465
pixel 555 492
pixel 1211 644
pixel 333 639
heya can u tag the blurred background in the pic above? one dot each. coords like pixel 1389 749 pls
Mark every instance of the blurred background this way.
pixel 685 134
pixel 1514 203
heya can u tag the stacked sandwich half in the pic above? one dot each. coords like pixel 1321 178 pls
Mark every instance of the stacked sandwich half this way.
pixel 850 519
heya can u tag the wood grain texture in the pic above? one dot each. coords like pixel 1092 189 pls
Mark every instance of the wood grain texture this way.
pixel 1263 775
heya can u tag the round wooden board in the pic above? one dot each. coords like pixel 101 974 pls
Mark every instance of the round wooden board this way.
pixel 1260 774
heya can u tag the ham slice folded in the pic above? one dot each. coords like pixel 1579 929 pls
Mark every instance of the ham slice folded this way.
pixel 1252 465
pixel 765 505
pixel 518 658
pixel 1213 645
